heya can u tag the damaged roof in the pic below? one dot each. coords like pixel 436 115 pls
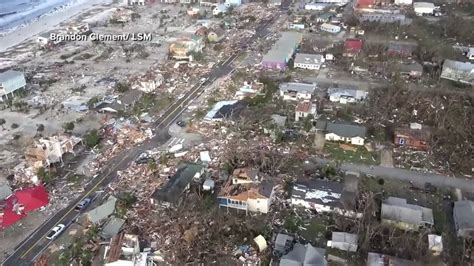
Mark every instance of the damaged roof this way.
pixel 171 192
pixel 225 109
pixel 463 214
pixel 397 209
pixel 318 191
pixel 103 211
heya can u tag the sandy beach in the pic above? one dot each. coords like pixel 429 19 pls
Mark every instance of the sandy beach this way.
pixel 45 23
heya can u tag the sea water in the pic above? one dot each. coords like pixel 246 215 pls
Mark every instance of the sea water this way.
pixel 14 13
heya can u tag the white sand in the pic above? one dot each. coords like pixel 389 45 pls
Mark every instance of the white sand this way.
pixel 45 23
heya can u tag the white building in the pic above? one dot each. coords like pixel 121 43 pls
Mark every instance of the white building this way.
pixel 219 9
pixel 258 198
pixel 296 26
pixel 330 28
pixel 470 53
pixel 346 95
pixel 274 3
pixel 316 6
pixel 135 2
pixel 458 71
pixel 233 2
pixel 293 91
pixel 423 8
pixel 342 132
pixel 304 109
pixel 403 2
pixel 343 241
pixel 309 61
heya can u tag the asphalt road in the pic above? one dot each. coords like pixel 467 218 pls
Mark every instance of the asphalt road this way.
pixel 418 178
pixel 27 251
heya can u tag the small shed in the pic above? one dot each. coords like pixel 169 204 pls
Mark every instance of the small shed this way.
pixel 260 242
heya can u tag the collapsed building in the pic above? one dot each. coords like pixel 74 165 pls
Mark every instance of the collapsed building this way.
pixel 47 151
pixel 184 49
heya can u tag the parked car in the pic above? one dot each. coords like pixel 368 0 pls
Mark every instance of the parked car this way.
pixel 143 158
pixel 181 123
pixel 56 231
pixel 83 204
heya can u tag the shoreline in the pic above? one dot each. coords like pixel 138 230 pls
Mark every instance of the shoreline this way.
pixel 45 23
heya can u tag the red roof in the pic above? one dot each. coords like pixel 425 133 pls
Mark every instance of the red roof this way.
pixel 15 207
pixel 365 3
pixel 9 216
pixel 32 198
pixel 353 46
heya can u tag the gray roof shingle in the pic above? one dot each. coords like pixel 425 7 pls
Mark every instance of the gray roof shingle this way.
pixel 346 130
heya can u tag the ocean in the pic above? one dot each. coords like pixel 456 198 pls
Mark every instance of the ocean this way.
pixel 14 13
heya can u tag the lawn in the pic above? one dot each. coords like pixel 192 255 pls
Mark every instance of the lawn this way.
pixel 359 155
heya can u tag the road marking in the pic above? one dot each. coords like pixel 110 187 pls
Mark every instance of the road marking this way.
pixel 68 212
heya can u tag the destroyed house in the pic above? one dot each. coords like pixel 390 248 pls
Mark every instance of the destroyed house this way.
pixel 247 197
pixel 344 241
pixel 245 176
pixel 296 91
pixel 177 184
pixel 403 49
pixel 398 212
pixel 282 51
pixel 124 249
pixel 283 243
pixel 463 215
pixel 11 81
pixel 225 110
pixel 462 72
pixel 47 151
pixel 414 138
pixel 323 196
pixel 412 70
pixel 305 109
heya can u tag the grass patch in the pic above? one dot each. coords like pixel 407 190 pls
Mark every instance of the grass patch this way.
pixel 151 104
pixel 440 220
pixel 317 229
pixel 359 155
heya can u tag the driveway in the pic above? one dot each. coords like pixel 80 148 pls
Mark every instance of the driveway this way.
pixel 418 178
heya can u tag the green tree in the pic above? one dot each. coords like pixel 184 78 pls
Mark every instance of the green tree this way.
pixel 40 128
pixel 68 127
pixel 14 125
pixel 2 123
pixel 152 166
pixel 308 123
pixel 64 258
pixel 122 86
pixel 44 175
pixel 128 199
pixel 92 139
pixel 329 170
pixel 197 56
pixel 92 102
